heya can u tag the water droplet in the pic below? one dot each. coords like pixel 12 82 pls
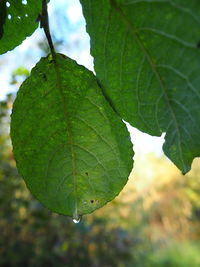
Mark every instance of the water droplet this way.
pixel 76 217
pixel 77 220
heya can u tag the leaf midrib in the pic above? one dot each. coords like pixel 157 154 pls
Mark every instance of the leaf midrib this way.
pixel 68 128
pixel 134 32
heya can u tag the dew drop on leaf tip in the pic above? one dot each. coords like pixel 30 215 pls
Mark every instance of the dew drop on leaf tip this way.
pixel 77 219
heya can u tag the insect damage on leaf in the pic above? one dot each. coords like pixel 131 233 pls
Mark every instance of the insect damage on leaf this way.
pixel 17 21
pixel 198 44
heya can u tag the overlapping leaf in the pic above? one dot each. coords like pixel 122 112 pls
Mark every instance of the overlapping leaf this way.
pixel 71 148
pixel 147 57
pixel 20 22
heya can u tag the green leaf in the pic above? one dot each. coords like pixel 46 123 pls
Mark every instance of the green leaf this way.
pixel 20 22
pixel 71 148
pixel 147 56
pixel 2 16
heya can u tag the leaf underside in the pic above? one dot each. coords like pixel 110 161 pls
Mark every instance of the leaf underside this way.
pixel 20 22
pixel 146 55
pixel 72 150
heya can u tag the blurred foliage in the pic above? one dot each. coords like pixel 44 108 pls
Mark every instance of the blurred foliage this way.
pixel 177 255
pixel 19 75
pixel 155 221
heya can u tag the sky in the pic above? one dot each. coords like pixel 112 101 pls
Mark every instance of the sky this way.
pixel 66 21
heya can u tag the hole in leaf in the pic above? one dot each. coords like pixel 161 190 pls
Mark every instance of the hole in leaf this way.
pixel 92 201
pixel 86 173
pixel 44 76
pixel 9 16
pixel 26 15
pixel 18 17
pixel 7 4
pixel 24 2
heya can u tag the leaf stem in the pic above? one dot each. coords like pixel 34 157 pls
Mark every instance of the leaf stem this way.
pixel 44 20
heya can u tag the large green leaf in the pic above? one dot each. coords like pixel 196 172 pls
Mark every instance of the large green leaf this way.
pixel 20 22
pixel 147 56
pixel 71 148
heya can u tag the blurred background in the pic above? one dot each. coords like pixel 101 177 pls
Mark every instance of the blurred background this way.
pixel 155 221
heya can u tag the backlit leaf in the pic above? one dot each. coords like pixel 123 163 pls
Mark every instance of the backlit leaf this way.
pixel 71 148
pixel 147 56
pixel 21 16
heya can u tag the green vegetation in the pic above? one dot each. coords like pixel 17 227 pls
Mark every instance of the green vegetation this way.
pixel 72 149
pixel 20 21
pixel 147 60
pixel 75 154
pixel 154 222
pixel 72 127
